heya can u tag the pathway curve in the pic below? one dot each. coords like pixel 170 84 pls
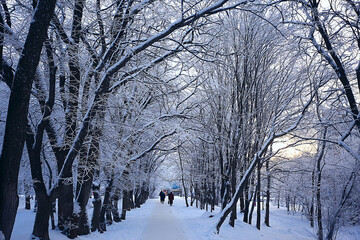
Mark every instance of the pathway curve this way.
pixel 163 224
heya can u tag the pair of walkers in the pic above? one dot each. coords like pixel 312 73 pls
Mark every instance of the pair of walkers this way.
pixel 170 197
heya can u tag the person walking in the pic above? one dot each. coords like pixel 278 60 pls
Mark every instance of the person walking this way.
pixel 171 198
pixel 162 196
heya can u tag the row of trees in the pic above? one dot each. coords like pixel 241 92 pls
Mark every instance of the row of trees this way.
pixel 278 116
pixel 250 98
pixel 102 91
pixel 70 61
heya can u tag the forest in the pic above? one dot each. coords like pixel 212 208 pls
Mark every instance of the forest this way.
pixel 249 101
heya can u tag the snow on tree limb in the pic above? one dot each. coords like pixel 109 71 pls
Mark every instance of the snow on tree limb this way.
pixel 103 87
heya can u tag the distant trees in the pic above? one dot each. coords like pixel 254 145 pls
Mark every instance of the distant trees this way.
pixel 249 98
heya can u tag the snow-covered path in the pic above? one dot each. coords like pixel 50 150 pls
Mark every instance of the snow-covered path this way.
pixel 156 221
pixel 163 224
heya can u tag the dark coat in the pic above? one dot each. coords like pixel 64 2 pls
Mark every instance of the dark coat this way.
pixel 162 195
pixel 171 196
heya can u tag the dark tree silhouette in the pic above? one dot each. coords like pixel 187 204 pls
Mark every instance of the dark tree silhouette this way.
pixel 15 129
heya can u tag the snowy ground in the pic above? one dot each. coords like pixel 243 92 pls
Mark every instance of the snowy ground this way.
pixel 155 221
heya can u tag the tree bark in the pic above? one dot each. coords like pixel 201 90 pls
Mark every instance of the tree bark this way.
pixel 88 159
pixel 242 202
pixel 258 186
pixel 35 145
pixel 53 210
pixel 131 200
pixel 245 193
pixel 182 178
pixel 65 202
pixel 267 211
pixel 79 223
pixel 233 215
pixel 253 198
pixel 137 196
pixel 312 203
pixel 318 188
pixel 41 225
pixel 115 209
pixel 287 202
pixel 319 207
pixel 278 200
pixel 106 206
pixel 27 202
pixel 95 221
pixel 125 204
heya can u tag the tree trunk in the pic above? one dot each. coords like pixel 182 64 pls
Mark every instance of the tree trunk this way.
pixel 131 200
pixel 137 197
pixel 253 204
pixel 182 178
pixel 246 203
pixel 88 160
pixel 65 202
pixel 125 204
pixel 267 211
pixel 287 203
pixel 15 129
pixel 65 185
pixel 192 197
pixel 226 196
pixel 79 223
pixel 84 227
pixel 34 146
pixel 233 215
pixel 53 210
pixel 27 202
pixel 319 207
pixel 202 193
pixel 294 204
pixel 35 204
pixel 41 225
pixel 318 191
pixel 258 199
pixel 213 195
pixel 108 213
pixel 105 206
pixel 9 201
pixel 95 221
pixel 278 199
pixel 144 193
pixel 242 202
pixel 115 209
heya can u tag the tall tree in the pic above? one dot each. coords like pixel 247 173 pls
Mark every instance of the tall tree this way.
pixel 15 130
